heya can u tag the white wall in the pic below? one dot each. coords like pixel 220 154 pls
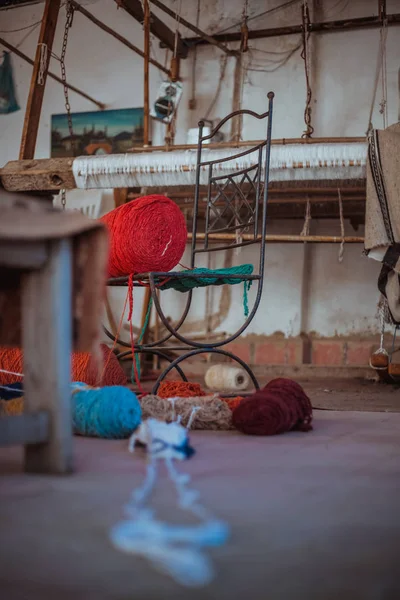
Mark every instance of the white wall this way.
pixel 341 298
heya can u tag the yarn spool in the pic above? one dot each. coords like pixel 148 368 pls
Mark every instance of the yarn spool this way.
pixel 110 412
pixel 211 412
pixel 179 389
pixel 226 378
pixel 147 234
pixel 83 367
pixel 281 406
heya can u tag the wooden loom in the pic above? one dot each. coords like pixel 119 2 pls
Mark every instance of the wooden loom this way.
pixel 52 175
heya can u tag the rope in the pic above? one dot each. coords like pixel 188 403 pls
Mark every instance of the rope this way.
pixel 178 20
pixel 305 56
pixel 341 248
pixel 380 67
pixel 383 103
pixel 307 219
pixel 42 63
pixel 223 63
pixel 244 30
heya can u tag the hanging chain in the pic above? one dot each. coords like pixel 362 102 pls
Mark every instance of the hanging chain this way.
pixel 68 23
pixel 63 199
pixel 305 56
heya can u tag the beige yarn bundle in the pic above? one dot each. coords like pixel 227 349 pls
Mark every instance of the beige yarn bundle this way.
pixel 210 411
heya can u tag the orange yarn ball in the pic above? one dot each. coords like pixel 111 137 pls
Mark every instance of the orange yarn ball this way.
pixel 233 402
pixel 179 389
pixel 83 367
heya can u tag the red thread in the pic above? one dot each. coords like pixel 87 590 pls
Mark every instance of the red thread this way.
pixel 147 234
pixel 281 406
pixel 130 315
pixel 179 389
pixel 84 367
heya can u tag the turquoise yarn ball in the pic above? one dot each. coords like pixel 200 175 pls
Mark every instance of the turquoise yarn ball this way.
pixel 110 412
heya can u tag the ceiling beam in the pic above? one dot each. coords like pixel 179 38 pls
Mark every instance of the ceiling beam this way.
pixel 207 38
pixel 327 27
pixel 157 27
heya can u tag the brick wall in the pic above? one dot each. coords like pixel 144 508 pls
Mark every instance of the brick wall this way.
pixel 278 350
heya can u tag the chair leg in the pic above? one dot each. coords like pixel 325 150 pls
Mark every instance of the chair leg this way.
pixel 47 322
pixel 183 357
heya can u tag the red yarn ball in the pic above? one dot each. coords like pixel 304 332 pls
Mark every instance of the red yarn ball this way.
pixel 147 234
pixel 281 406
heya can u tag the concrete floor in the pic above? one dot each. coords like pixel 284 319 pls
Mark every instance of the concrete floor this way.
pixel 313 516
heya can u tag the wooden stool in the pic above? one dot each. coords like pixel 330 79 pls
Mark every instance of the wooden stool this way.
pixel 48 320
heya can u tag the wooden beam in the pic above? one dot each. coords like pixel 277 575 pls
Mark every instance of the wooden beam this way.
pixel 322 239
pixel 157 26
pixel 146 89
pixel 326 27
pixel 46 328
pixel 49 74
pixel 48 174
pixel 116 35
pixel 208 38
pixel 38 80
pixel 237 122
pixel 54 174
pixel 24 429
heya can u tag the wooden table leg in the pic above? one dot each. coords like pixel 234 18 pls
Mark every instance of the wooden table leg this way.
pixel 47 323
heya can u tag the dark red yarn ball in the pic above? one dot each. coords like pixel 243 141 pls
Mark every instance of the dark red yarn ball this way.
pixel 146 234
pixel 279 407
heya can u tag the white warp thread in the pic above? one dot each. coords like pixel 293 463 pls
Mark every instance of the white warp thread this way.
pixel 289 162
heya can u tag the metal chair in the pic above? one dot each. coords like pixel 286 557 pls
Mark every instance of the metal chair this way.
pixel 236 202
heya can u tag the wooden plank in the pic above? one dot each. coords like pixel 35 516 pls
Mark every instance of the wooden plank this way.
pixel 157 26
pixel 116 35
pixel 23 255
pixel 24 429
pixel 323 239
pixel 43 174
pixel 47 323
pixel 53 174
pixel 38 80
pixel 26 58
pixel 120 196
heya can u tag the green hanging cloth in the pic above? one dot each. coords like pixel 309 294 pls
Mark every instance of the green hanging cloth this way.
pixel 8 100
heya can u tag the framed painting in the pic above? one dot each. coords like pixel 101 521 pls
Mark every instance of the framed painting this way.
pixel 97 132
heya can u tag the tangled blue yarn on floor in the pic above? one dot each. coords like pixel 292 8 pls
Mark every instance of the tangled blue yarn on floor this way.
pixel 112 412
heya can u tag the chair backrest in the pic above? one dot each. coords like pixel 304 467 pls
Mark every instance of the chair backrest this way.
pixel 237 191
